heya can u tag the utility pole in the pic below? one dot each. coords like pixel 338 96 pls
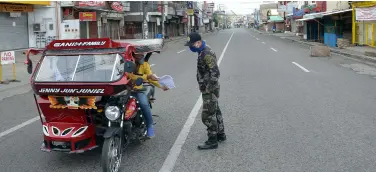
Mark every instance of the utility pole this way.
pixel 145 30
pixel 190 25
pixel 163 18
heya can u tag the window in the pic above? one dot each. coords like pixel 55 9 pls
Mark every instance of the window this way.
pixel 81 68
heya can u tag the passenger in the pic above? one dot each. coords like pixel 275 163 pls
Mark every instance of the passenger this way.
pixel 144 71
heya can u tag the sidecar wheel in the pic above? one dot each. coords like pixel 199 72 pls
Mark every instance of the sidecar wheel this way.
pixel 111 154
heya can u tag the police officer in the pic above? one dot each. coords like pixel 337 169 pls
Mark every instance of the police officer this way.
pixel 207 78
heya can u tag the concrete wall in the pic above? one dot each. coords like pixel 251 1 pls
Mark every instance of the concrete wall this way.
pixel 337 5
pixel 46 16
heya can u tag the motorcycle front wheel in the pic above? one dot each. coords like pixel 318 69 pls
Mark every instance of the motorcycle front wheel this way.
pixel 111 154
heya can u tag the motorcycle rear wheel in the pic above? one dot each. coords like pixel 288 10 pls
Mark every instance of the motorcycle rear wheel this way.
pixel 111 154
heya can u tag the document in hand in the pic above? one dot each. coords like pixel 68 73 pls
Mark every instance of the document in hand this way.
pixel 167 80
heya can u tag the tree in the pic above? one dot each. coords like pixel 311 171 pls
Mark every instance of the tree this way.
pixel 215 19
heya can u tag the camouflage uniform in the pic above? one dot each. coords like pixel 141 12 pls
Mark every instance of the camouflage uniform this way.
pixel 207 78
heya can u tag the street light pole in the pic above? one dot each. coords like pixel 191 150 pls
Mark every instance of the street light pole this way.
pixel 163 18
pixel 145 30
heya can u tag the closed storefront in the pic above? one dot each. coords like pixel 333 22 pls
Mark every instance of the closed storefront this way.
pixel 112 29
pixel 13 28
pixel 112 25
pixel 181 29
pixel 133 30
pixel 364 23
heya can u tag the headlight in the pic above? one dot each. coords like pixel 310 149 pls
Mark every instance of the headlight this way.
pixel 112 113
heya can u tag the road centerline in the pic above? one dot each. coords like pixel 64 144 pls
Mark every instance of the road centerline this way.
pixel 273 49
pixel 180 51
pixel 174 153
pixel 300 66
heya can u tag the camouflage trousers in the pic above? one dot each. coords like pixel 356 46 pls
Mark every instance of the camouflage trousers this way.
pixel 211 114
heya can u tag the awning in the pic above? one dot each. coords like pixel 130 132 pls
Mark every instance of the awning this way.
pixel 275 19
pixel 305 19
pixel 335 12
pixel 322 14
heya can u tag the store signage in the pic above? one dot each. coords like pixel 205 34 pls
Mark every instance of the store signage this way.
pixel 88 16
pixel 365 13
pixel 91 3
pixel 126 5
pixel 66 4
pixel 190 12
pixel 211 5
pixel 114 15
pixel 47 3
pixel 16 8
pixel 117 6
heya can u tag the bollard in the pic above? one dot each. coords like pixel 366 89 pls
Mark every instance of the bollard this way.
pixel 1 75
pixel 14 74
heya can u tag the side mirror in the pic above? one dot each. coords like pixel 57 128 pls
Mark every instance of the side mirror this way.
pixel 29 66
pixel 129 67
pixel 139 81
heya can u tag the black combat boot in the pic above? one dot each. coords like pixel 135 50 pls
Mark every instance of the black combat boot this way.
pixel 221 137
pixel 212 143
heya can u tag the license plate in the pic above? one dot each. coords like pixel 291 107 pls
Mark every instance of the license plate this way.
pixel 58 143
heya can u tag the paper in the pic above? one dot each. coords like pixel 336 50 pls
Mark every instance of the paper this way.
pixel 167 80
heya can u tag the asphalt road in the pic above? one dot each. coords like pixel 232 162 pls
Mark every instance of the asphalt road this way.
pixel 283 111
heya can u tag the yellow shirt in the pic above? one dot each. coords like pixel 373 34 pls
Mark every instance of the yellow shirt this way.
pixel 143 71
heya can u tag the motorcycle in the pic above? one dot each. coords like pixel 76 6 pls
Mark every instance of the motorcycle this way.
pixel 84 96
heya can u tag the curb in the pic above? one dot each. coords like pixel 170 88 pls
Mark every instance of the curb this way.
pixel 183 37
pixel 360 57
pixel 169 40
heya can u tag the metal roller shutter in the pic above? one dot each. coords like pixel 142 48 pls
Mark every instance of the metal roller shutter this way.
pixel 13 32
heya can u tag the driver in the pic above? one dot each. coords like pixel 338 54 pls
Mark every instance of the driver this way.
pixel 144 71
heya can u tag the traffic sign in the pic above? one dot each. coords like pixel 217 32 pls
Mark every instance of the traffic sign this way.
pixel 7 57
pixel 189 4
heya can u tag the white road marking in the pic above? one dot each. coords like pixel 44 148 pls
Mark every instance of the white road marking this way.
pixel 181 51
pixel 273 49
pixel 173 155
pixel 263 42
pixel 301 67
pixel 257 39
pixel 15 128
pixel 152 65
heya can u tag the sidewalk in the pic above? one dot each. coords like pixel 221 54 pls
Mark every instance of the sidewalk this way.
pixel 363 53
pixel 178 38
pixel 15 88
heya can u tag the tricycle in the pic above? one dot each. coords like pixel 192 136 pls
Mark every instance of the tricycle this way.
pixel 83 95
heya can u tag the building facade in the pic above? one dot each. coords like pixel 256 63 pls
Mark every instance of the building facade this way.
pixel 17 25
pixel 363 24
